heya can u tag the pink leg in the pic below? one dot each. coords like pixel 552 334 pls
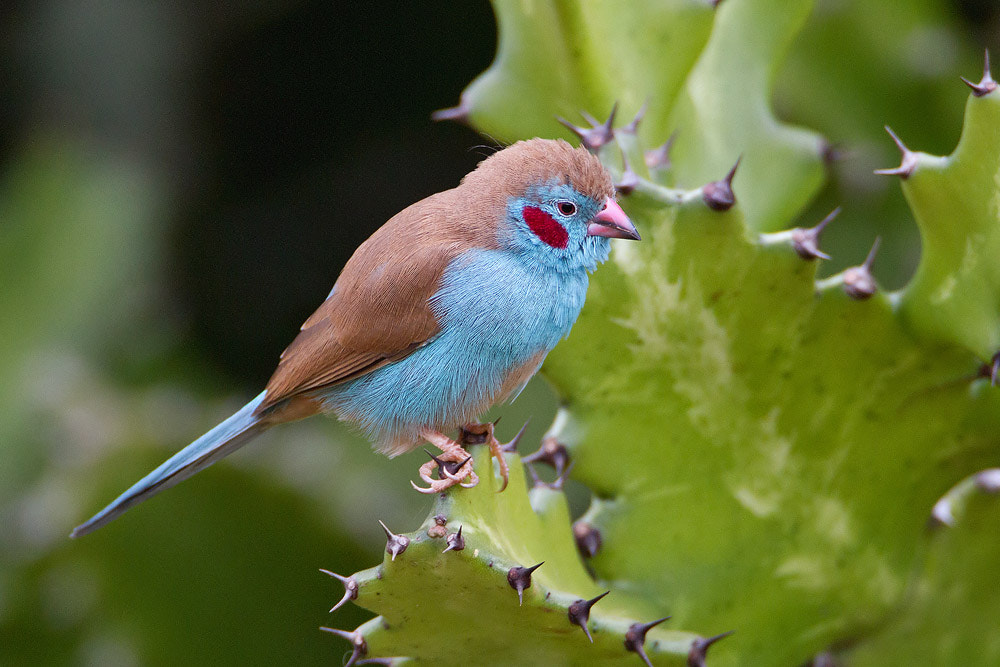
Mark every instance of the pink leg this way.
pixel 453 452
pixel 483 433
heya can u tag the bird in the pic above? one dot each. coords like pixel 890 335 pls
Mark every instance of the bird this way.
pixel 446 310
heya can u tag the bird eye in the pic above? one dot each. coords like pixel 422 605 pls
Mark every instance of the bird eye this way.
pixel 567 208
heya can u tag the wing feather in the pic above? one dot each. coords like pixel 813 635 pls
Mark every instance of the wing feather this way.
pixel 378 311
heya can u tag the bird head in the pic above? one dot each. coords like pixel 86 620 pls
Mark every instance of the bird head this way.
pixel 558 201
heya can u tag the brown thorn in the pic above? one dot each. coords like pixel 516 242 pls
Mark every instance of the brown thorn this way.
pixel 535 479
pixel 575 129
pixel 990 370
pixel 633 126
pixel 588 538
pixel 596 136
pixel 896 140
pixel 941 513
pixel 394 544
pixel 806 241
pixel 635 638
pixel 824 659
pixel 700 646
pixel 907 164
pixel 858 280
pixel 350 588
pixel 830 153
pixel 629 180
pixel 989 480
pixel 732 172
pixel 556 484
pixel 659 158
pixel 590 119
pixel 550 451
pixel 459 466
pixel 640 650
pixel 611 117
pixel 459 114
pixel 451 467
pixel 560 480
pixel 870 259
pixel 440 463
pixel 579 613
pixel 455 541
pixel 719 195
pixel 986 85
pixel 511 446
pixel 821 225
pixel 359 648
pixel 519 579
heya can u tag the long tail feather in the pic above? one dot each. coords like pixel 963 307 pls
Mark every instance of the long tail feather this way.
pixel 221 441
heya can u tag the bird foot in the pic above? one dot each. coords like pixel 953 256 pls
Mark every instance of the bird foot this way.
pixel 449 465
pixel 483 434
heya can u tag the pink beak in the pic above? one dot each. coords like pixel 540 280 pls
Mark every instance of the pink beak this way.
pixel 612 223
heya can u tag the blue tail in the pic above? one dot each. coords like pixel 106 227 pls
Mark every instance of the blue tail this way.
pixel 221 441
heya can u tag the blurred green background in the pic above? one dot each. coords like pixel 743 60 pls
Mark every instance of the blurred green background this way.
pixel 180 184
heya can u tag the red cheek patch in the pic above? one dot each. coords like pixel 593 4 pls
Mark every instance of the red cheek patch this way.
pixel 545 228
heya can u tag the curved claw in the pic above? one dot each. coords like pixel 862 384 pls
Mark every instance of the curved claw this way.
pixel 443 468
pixel 455 476
pixel 420 488
pixel 473 480
pixel 449 465
pixel 429 490
pixel 496 451
pixel 425 472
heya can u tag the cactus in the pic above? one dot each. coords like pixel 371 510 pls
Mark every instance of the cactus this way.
pixel 502 574
pixel 764 447
pixel 949 619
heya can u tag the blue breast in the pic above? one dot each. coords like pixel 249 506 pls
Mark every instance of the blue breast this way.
pixel 497 310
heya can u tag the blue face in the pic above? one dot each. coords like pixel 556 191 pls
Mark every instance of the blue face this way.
pixel 549 223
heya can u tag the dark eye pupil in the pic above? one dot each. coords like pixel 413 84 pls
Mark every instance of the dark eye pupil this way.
pixel 567 208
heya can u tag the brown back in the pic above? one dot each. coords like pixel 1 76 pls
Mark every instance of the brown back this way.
pixel 379 311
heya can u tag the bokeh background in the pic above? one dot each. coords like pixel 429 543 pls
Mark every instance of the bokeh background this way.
pixel 180 184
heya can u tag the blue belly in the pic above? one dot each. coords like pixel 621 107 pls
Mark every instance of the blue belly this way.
pixel 497 311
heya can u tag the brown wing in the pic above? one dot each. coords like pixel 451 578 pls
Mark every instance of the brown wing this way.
pixel 378 311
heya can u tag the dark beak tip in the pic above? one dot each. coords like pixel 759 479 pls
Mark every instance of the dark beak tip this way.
pixel 629 233
pixel 611 222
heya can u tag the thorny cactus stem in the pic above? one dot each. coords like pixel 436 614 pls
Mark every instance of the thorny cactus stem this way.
pixel 786 437
pixel 432 584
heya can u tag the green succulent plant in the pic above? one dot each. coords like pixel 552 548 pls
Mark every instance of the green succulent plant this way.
pixel 764 446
